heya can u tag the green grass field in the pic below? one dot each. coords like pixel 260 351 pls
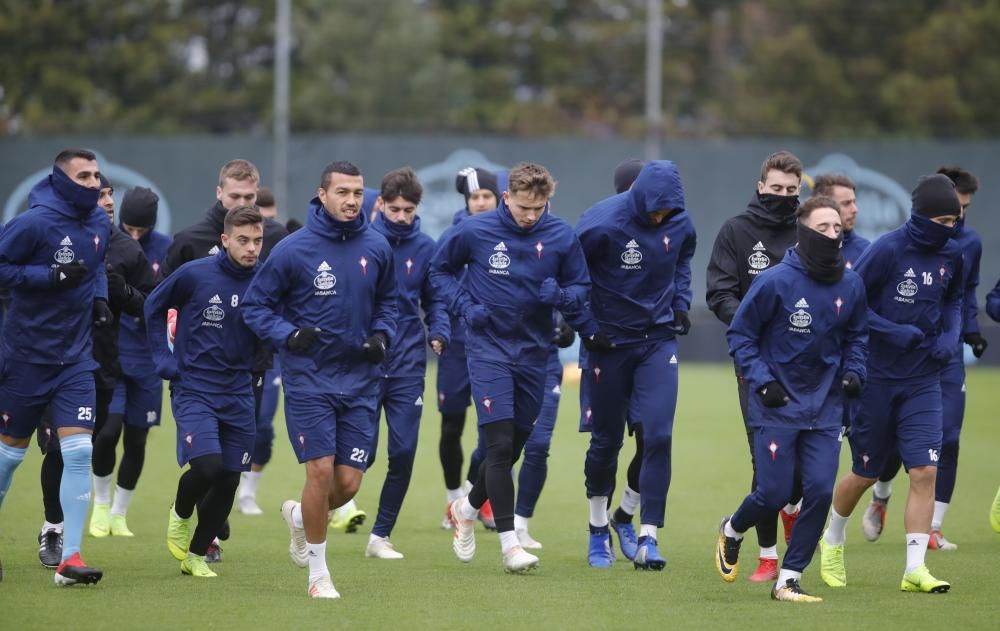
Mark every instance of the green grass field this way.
pixel 259 587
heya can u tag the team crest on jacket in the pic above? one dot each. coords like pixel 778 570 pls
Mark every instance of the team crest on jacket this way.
pixel 631 257
pixel 324 281
pixel 758 260
pixel 409 265
pixel 908 288
pixel 65 254
pixel 800 319
pixel 499 261
pixel 213 313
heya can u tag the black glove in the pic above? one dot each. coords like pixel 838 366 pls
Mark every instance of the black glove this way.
pixel 375 347
pixel 774 395
pixel 301 340
pixel 597 343
pixel 564 335
pixel 440 340
pixel 852 385
pixel 68 276
pixel 681 323
pixel 977 342
pixel 102 313
pixel 118 290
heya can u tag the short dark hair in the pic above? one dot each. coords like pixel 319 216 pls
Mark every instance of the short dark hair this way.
pixel 784 161
pixel 338 166
pixel 242 216
pixel 402 183
pixel 531 177
pixel 265 198
pixel 816 202
pixel 823 184
pixel 965 182
pixel 64 157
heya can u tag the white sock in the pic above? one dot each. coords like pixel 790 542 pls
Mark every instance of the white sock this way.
pixel 791 509
pixel 883 490
pixel 508 540
pixel 123 497
pixel 647 530
pixel 454 494
pixel 521 523
pixel 599 511
pixel 317 561
pixel 916 549
pixel 102 489
pixel 466 510
pixel 248 483
pixel 769 553
pixel 297 515
pixel 730 532
pixel 836 532
pixel 50 526
pixel 466 487
pixel 784 575
pixel 630 501
pixel 940 508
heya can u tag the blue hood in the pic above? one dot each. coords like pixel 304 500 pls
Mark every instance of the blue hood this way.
pixel 395 231
pixel 45 193
pixel 460 215
pixel 926 233
pixel 658 187
pixel 320 222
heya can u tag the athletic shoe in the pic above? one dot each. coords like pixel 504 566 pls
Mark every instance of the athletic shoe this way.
pixel 647 557
pixel 178 535
pixel 727 554
pixel 348 520
pixel 788 522
pixel 74 571
pixel 625 532
pixel 938 542
pixel 50 544
pixel 214 552
pixel 382 548
pixel 297 545
pixel 831 564
pixel 119 528
pixel 920 580
pixel 100 520
pixel 247 504
pixel 599 551
pixel 527 541
pixel 517 561
pixel 323 588
pixel 464 539
pixel 446 522
pixel 792 592
pixel 486 516
pixel 995 513
pixel 873 521
pixel 197 566
pixel 767 571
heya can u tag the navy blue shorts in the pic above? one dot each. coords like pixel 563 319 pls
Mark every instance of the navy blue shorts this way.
pixel 323 424
pixel 27 389
pixel 138 399
pixel 453 387
pixel 503 391
pixel 213 423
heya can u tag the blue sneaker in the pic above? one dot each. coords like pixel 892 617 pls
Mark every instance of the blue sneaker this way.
pixel 600 553
pixel 626 537
pixel 647 557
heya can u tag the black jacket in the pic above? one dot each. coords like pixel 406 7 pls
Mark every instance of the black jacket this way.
pixel 746 245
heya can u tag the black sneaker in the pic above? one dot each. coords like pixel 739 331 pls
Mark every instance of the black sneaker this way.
pixel 214 553
pixel 50 543
pixel 73 571
pixel 727 554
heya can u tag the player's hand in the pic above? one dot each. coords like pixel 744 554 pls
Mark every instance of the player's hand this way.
pixel 477 316
pixel 941 350
pixel 118 290
pixel 375 347
pixel 102 313
pixel 910 336
pixel 301 340
pixel 550 293
pixel 977 342
pixel 564 335
pixel 774 395
pixel 851 384
pixel 69 275
pixel 167 369
pixel 438 345
pixel 598 342
pixel 681 323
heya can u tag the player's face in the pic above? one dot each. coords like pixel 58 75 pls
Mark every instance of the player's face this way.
pixel 343 196
pixel 779 183
pixel 847 203
pixel 235 193
pixel 525 206
pixel 107 202
pixel 659 216
pixel 243 243
pixel 965 199
pixel 482 200
pixel 399 211
pixel 84 172
pixel 826 221
pixel 268 212
pixel 136 232
pixel 948 221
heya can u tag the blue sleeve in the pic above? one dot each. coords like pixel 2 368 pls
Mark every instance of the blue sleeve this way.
pixel 101 288
pixel 682 274
pixel 951 311
pixel 993 303
pixel 756 310
pixel 170 293
pixel 855 357
pixel 386 310
pixel 446 268
pixel 593 244
pixel 872 266
pixel 18 242
pixel 263 299
pixel 435 314
pixel 970 306
pixel 574 280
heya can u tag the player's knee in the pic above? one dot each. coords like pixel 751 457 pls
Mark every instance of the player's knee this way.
pixel 922 477
pixel 320 471
pixel 77 453
pixel 348 482
pixel 208 468
pixel 135 439
pixel 228 481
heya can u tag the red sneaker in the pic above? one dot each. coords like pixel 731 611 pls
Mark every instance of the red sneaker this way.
pixel 73 571
pixel 766 571
pixel 486 516
pixel 788 521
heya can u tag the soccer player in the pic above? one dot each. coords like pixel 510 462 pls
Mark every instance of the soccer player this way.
pixel 913 279
pixel 402 389
pixel 993 310
pixel 266 205
pixel 800 339
pixel 747 245
pixel 327 301
pixel 211 392
pixel 52 260
pixel 638 247
pixel 841 189
pixel 952 383
pixel 503 272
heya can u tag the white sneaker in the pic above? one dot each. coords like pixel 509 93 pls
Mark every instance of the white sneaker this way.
pixel 297 545
pixel 464 542
pixel 527 542
pixel 323 588
pixel 873 520
pixel 247 505
pixel 517 561
pixel 382 548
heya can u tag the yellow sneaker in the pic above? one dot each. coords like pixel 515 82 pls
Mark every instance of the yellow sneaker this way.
pixel 831 564
pixel 995 513
pixel 119 528
pixel 727 554
pixel 100 520
pixel 920 580
pixel 196 566
pixel 792 592
pixel 348 519
pixel 178 535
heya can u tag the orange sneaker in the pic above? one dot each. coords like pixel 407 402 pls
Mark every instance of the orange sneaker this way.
pixel 767 571
pixel 486 516
pixel 788 521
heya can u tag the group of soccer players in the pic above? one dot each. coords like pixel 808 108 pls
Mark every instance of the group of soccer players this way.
pixel 830 336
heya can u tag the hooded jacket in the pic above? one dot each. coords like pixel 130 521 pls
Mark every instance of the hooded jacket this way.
pixel 133 347
pixel 45 325
pixel 337 276
pixel 853 245
pixel 746 245
pixel 971 245
pixel 804 334
pixel 993 303
pixel 412 252
pixel 640 271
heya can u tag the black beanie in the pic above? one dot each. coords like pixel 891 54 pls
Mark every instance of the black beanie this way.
pixel 139 207
pixel 104 181
pixel 470 180
pixel 626 172
pixel 935 196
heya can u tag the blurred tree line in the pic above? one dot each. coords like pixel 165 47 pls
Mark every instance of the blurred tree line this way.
pixel 796 68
